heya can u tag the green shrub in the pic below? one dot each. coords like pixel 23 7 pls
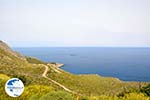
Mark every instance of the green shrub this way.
pixel 35 96
pixel 60 95
pixel 34 60
pixel 83 98
pixel 135 96
pixel 22 78
pixel 146 90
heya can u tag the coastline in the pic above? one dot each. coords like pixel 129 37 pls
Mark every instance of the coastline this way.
pixel 58 65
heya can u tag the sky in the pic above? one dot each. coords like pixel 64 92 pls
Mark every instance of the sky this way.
pixel 42 23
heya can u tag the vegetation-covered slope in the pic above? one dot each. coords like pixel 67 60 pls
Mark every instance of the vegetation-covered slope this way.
pixel 6 48
pixel 92 84
pixel 30 71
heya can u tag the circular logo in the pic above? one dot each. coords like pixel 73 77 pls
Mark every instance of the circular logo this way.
pixel 14 87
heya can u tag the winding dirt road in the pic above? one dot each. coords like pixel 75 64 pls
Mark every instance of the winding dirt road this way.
pixel 60 85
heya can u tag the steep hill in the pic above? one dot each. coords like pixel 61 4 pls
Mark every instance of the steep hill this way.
pixel 5 47
pixel 14 64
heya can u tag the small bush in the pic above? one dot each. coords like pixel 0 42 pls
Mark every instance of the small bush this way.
pixel 135 96
pixel 22 78
pixel 83 98
pixel 60 95
pixel 146 90
pixel 34 60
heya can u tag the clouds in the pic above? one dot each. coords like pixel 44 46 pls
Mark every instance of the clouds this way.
pixel 80 22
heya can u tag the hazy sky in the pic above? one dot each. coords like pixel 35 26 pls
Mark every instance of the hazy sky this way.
pixel 75 22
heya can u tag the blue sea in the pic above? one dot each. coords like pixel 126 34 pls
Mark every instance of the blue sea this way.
pixel 128 64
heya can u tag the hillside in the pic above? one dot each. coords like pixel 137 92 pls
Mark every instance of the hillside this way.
pixel 5 47
pixel 32 72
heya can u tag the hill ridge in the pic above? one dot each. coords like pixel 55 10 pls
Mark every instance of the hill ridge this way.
pixel 6 48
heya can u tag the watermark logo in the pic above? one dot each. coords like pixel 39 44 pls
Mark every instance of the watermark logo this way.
pixel 14 87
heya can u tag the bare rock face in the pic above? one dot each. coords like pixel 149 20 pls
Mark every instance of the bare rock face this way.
pixel 6 48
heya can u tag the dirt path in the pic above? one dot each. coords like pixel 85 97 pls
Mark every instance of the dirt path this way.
pixel 62 86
